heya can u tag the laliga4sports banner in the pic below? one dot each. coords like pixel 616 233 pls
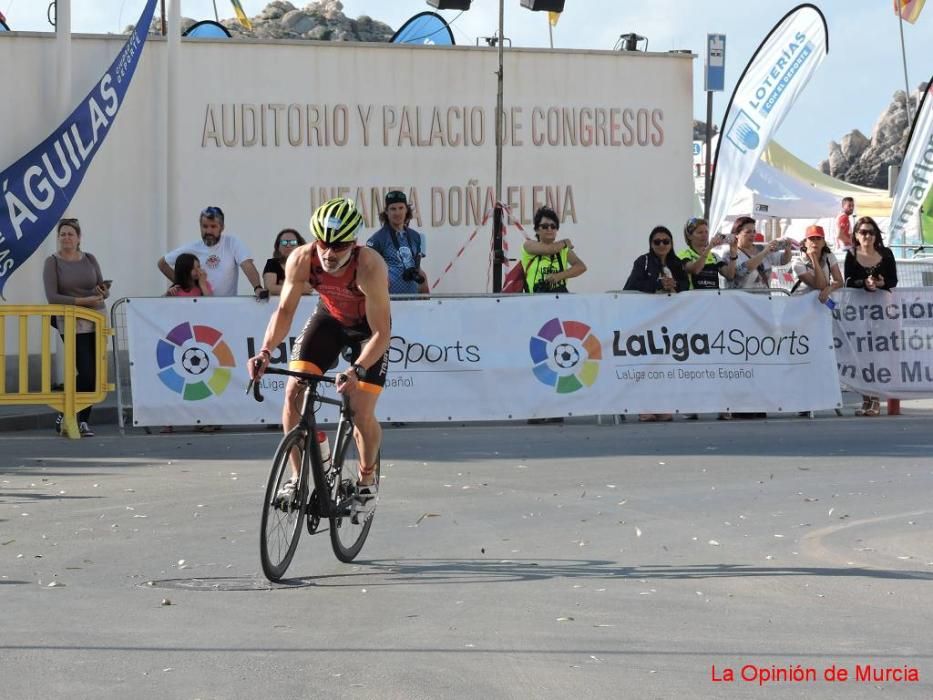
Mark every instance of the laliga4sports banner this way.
pixel 915 182
pixel 771 82
pixel 37 189
pixel 525 356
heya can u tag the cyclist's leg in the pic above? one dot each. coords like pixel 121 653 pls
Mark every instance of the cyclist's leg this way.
pixel 368 432
pixel 316 348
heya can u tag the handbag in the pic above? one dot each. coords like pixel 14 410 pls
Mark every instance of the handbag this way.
pixel 514 282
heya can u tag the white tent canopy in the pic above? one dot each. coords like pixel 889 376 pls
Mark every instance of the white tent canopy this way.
pixel 770 192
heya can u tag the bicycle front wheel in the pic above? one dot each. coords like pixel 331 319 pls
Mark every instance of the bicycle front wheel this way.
pixel 348 531
pixel 283 516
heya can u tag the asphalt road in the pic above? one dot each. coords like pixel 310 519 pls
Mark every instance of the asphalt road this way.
pixel 504 562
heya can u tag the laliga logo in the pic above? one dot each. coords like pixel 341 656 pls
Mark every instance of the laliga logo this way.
pixel 566 355
pixel 185 357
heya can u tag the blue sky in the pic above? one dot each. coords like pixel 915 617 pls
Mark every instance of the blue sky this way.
pixel 851 89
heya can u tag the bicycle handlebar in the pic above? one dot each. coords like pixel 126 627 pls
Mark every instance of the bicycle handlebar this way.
pixel 254 385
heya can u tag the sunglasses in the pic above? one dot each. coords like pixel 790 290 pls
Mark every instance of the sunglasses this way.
pixel 661 241
pixel 866 231
pixel 336 247
pixel 547 227
pixel 213 212
pixel 72 222
pixel 288 244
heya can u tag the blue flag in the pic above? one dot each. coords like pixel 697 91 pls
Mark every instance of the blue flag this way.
pixel 425 28
pixel 35 191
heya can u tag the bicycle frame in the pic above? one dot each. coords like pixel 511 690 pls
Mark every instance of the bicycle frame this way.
pixel 325 507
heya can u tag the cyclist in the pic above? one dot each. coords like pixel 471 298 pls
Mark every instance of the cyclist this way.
pixel 353 285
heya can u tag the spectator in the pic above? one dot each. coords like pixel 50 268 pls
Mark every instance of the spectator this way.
pixel 400 246
pixel 73 277
pixel 190 279
pixel 817 269
pixel 703 266
pixel 870 266
pixel 753 266
pixel 658 270
pixel 273 274
pixel 548 262
pixel 219 254
pixel 844 224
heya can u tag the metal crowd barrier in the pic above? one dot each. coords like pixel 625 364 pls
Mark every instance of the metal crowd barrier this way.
pixel 39 393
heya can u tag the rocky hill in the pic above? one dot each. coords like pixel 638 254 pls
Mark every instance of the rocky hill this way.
pixel 864 161
pixel 322 20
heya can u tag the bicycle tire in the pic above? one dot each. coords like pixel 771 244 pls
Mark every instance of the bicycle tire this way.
pixel 280 528
pixel 346 536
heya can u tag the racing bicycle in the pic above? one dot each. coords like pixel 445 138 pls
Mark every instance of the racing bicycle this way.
pixel 326 488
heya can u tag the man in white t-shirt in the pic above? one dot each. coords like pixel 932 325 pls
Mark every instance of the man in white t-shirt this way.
pixel 219 254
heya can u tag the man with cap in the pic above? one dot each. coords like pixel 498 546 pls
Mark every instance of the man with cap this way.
pixel 400 246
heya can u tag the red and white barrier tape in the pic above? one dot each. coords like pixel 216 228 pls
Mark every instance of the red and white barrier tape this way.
pixel 505 246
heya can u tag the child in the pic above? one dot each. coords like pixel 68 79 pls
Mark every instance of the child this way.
pixel 190 279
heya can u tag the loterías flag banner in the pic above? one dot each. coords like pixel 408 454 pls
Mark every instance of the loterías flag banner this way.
pixel 37 188
pixel 915 182
pixel 241 14
pixel 909 10
pixel 552 17
pixel 764 94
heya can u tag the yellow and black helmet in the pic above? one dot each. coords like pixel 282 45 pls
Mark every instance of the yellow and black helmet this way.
pixel 336 221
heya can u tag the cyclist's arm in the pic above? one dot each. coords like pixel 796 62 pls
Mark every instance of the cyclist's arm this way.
pixel 373 281
pixel 297 275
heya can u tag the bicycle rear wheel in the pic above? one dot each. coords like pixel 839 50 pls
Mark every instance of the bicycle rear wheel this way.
pixel 348 532
pixel 282 519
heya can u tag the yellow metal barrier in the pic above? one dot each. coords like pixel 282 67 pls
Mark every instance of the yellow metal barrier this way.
pixel 69 401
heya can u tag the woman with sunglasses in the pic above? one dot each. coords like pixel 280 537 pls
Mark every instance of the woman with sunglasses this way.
pixel 703 266
pixel 870 266
pixel 273 274
pixel 73 277
pixel 548 262
pixel 658 271
pixel 818 269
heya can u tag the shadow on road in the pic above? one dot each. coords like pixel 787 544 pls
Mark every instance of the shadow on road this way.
pixel 415 572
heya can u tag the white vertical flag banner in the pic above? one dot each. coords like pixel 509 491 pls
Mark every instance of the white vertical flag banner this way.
pixel 916 178
pixel 769 86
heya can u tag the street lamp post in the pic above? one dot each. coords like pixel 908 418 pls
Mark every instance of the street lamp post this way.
pixel 498 256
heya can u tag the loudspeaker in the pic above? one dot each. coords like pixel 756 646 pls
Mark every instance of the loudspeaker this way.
pixel 544 5
pixel 450 4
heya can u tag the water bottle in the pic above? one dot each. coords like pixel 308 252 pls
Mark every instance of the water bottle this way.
pixel 830 303
pixel 324 445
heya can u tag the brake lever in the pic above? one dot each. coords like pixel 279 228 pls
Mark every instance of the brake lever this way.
pixel 255 387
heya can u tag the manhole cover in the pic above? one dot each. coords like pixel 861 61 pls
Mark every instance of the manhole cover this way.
pixel 231 583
